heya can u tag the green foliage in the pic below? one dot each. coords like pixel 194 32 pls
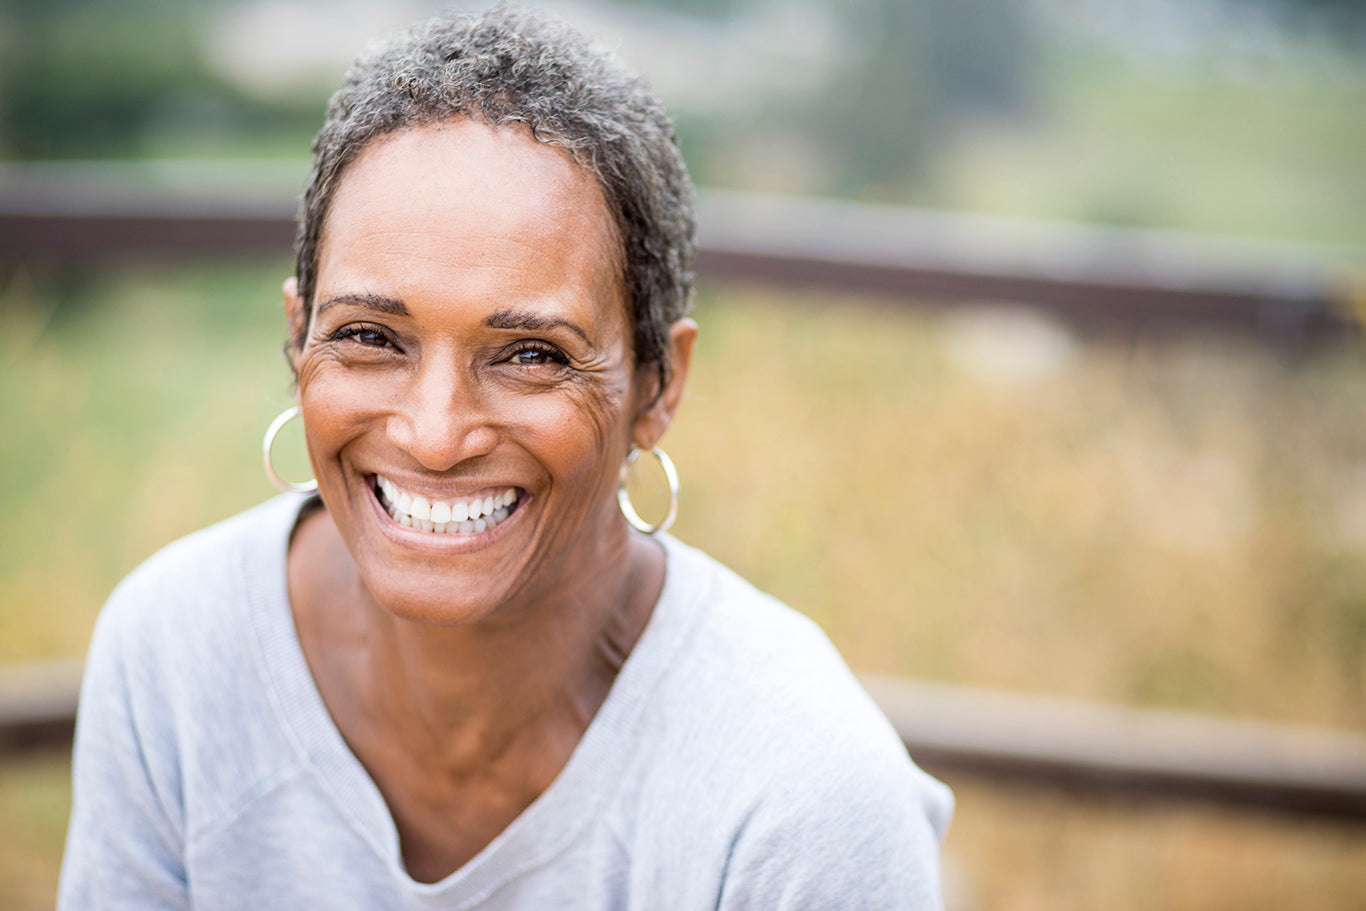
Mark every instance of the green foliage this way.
pixel 913 70
pixel 94 78
pixel 1278 155
pixel 927 63
pixel 86 78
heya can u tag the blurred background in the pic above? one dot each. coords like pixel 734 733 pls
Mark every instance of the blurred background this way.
pixel 976 491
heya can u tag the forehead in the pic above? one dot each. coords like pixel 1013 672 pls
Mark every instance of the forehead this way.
pixel 466 196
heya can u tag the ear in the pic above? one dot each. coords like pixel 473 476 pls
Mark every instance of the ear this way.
pixel 650 425
pixel 296 315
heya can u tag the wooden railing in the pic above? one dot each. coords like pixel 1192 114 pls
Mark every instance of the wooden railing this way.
pixel 997 735
pixel 1103 277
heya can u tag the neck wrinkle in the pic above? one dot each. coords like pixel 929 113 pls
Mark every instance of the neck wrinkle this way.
pixel 469 696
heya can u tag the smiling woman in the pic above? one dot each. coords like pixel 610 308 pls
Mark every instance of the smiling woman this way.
pixel 456 676
pixel 444 250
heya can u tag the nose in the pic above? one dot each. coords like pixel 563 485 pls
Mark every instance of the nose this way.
pixel 442 419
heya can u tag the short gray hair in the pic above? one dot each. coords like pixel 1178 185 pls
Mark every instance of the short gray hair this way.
pixel 508 66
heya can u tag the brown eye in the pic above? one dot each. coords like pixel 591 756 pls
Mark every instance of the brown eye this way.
pixel 369 336
pixel 531 357
pixel 537 355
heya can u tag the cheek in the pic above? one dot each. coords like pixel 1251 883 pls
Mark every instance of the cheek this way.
pixel 336 401
pixel 319 374
pixel 582 430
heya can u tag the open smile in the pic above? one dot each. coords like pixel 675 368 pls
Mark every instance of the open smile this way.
pixel 464 516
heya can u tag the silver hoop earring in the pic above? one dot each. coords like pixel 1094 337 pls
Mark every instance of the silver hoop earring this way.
pixel 285 417
pixel 624 498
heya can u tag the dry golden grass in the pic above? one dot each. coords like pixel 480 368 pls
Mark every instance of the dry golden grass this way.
pixel 35 799
pixel 1021 850
pixel 976 498
pixel 1173 522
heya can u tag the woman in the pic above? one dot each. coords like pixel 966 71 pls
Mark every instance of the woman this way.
pixel 457 677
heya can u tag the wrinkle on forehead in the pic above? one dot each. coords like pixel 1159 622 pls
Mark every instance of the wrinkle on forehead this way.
pixel 458 169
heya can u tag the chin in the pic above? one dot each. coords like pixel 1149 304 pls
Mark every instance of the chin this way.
pixel 443 592
pixel 429 610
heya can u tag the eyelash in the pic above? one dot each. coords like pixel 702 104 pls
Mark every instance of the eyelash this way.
pixel 551 353
pixel 355 330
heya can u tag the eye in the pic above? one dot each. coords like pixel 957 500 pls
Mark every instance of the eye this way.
pixel 537 354
pixel 367 334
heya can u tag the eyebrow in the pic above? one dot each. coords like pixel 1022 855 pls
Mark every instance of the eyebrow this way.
pixel 521 319
pixel 503 319
pixel 378 302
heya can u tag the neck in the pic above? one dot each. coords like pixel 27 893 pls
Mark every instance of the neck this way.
pixel 528 682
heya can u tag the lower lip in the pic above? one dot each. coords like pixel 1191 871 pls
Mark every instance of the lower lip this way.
pixel 439 542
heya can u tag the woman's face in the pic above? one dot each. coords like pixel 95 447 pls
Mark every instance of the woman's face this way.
pixel 467 379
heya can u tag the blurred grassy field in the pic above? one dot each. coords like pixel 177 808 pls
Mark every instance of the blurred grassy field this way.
pixel 974 496
pixel 979 497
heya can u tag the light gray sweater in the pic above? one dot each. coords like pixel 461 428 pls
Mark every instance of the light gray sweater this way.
pixel 735 764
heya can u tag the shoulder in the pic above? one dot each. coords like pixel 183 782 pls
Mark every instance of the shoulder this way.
pixel 791 758
pixel 172 677
pixel 214 553
pixel 168 732
pixel 179 627
pixel 188 589
pixel 771 674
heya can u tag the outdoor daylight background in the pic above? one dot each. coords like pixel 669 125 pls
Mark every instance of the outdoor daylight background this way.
pixel 974 493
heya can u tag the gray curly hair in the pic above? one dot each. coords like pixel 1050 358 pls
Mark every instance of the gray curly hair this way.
pixel 507 66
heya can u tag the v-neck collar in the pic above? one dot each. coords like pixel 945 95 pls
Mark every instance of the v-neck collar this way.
pixel 544 829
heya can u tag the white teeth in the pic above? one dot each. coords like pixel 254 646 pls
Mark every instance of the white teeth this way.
pixel 445 516
pixel 421 508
